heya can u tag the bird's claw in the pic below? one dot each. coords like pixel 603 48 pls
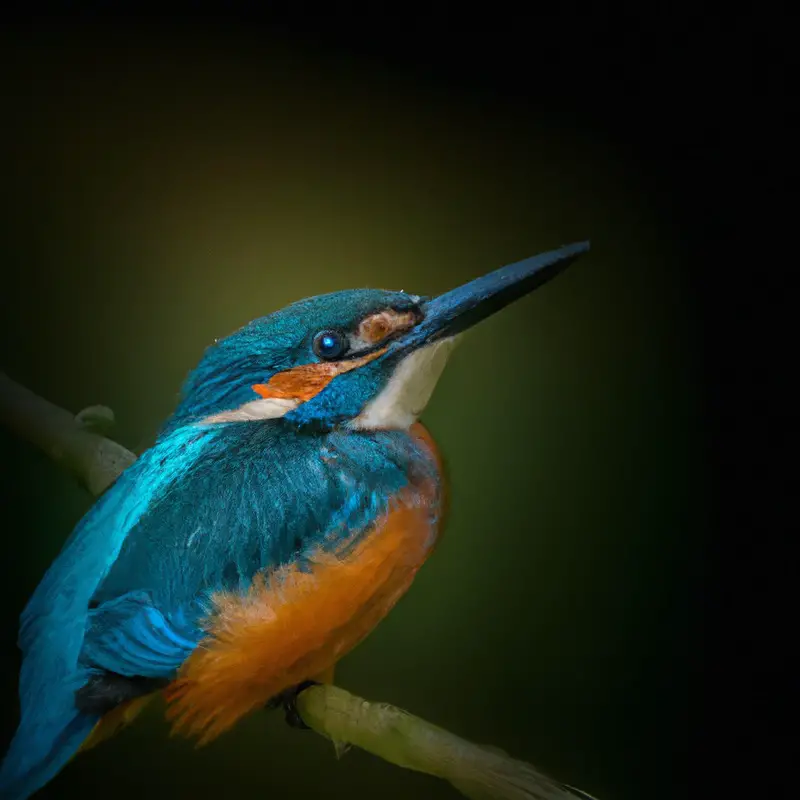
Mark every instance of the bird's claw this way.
pixel 287 700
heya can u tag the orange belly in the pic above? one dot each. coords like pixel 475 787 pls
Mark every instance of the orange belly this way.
pixel 294 625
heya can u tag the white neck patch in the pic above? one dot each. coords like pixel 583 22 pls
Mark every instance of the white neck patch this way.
pixel 408 391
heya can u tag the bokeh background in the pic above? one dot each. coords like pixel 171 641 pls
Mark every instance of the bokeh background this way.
pixel 162 188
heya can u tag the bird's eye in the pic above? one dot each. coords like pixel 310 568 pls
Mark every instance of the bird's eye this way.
pixel 330 345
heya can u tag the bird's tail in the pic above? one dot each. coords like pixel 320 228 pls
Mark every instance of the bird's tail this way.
pixel 44 742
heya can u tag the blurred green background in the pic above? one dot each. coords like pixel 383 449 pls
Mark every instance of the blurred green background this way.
pixel 161 192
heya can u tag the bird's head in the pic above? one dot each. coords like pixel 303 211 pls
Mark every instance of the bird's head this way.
pixel 363 358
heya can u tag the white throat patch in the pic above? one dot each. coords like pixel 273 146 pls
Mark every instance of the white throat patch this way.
pixel 408 390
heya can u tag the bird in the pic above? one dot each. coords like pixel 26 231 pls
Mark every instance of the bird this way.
pixel 285 507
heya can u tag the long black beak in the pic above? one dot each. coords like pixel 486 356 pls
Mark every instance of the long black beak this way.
pixel 455 311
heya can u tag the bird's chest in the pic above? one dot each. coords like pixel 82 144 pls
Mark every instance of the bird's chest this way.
pixel 296 621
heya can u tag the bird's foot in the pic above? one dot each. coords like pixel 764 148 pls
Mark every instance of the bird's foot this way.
pixel 287 700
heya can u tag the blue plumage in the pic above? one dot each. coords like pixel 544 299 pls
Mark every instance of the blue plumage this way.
pixel 53 625
pixel 129 591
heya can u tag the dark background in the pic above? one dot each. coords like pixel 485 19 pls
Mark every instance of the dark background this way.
pixel 166 181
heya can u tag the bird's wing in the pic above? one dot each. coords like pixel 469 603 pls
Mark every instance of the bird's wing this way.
pixel 130 636
pixel 53 624
pixel 255 500
pixel 54 619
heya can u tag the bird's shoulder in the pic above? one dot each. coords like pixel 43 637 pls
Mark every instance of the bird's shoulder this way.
pixel 258 497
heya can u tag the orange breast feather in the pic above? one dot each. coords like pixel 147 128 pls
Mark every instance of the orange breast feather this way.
pixel 294 625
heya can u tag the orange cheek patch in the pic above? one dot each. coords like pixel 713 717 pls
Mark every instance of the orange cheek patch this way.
pixel 308 380
pixel 377 327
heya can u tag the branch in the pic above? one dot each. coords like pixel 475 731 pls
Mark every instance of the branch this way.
pixel 74 443
pixel 78 445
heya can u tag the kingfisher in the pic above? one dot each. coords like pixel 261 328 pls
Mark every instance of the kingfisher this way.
pixel 285 507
